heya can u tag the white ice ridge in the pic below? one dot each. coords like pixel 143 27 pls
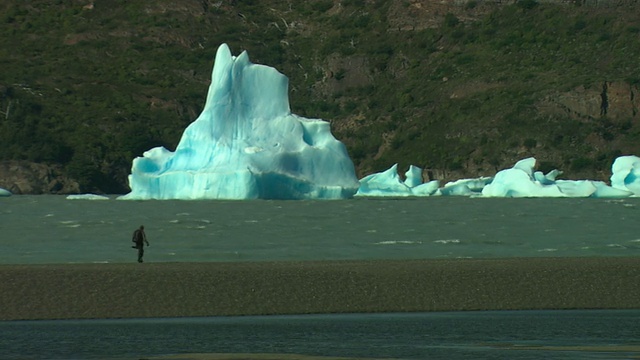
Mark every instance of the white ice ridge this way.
pixel 87 197
pixel 519 181
pixel 246 144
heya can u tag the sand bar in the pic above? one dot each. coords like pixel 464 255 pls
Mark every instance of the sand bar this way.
pixel 80 291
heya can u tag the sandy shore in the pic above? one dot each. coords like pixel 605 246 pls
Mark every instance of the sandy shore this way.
pixel 208 289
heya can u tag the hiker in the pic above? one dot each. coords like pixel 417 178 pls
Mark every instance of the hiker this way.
pixel 139 238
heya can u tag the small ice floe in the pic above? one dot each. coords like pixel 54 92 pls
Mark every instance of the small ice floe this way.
pixel 198 227
pixel 447 241
pixel 191 224
pixel 547 250
pixel 4 192
pixel 619 246
pixel 70 223
pixel 87 197
pixel 398 242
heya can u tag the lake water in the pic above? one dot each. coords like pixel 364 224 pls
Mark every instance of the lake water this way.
pixel 512 335
pixel 52 229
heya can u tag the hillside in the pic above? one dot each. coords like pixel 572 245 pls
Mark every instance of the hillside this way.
pixel 459 88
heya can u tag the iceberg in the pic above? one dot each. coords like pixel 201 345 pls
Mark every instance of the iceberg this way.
pixel 246 144
pixel 4 192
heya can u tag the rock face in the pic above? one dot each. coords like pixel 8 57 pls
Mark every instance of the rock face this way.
pixel 617 101
pixel 23 177
pixel 423 14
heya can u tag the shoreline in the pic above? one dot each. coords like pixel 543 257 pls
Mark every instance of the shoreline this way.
pixel 132 290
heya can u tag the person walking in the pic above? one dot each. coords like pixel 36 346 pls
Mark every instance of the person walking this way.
pixel 140 238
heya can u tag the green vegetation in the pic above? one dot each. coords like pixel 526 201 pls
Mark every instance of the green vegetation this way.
pixel 93 88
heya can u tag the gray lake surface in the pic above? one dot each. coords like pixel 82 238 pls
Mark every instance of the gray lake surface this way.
pixel 53 229
pixel 508 335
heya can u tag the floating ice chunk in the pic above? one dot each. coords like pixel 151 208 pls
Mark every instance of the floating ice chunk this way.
pixel 386 183
pixel 605 191
pixel 448 241
pixel 87 197
pixel 576 188
pixel 427 189
pixel 519 182
pixel 465 187
pixel 5 192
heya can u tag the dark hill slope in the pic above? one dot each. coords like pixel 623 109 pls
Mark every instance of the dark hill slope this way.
pixel 462 89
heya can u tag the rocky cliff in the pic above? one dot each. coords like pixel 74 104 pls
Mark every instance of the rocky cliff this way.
pixel 23 177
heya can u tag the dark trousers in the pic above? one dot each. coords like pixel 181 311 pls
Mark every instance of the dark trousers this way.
pixel 140 253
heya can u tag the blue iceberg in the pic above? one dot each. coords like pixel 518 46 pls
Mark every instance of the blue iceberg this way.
pixel 246 144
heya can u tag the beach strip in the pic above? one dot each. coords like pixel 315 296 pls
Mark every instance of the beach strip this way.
pixel 83 291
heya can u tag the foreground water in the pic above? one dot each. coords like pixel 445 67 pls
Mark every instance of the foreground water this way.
pixel 610 334
pixel 52 229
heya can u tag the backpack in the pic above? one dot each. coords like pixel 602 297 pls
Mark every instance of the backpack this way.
pixel 137 236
